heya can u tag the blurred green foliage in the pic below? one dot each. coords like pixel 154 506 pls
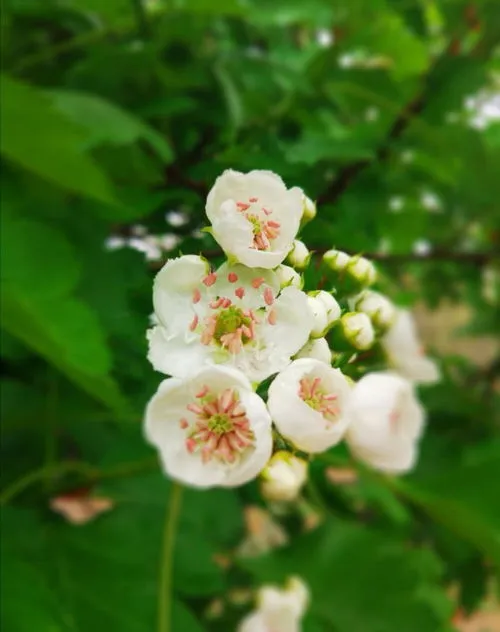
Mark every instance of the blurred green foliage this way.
pixel 115 112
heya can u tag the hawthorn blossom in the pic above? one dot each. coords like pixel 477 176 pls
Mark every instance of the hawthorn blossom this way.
pixel 385 422
pixel 318 349
pixel 236 315
pixel 210 429
pixel 254 217
pixel 283 477
pixel 278 610
pixel 405 352
pixel 307 402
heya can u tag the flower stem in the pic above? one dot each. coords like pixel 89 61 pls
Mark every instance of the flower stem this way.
pixel 165 589
pixel 86 470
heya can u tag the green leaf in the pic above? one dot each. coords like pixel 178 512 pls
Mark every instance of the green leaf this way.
pixel 39 272
pixel 360 580
pixel 105 122
pixel 41 139
pixel 100 576
pixel 465 500
pixel 212 7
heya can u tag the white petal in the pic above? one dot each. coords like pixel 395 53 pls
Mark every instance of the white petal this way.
pixel 404 349
pixel 294 323
pixel 174 355
pixel 163 429
pixel 173 288
pixel 234 231
pixel 254 622
pixel 253 297
pixel 251 466
pixel 318 349
pixel 305 427
pixel 385 419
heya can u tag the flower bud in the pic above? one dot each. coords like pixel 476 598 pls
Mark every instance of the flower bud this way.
pixel 318 310
pixel 378 307
pixel 357 329
pixel 361 270
pixel 309 210
pixel 318 349
pixel 336 260
pixel 288 277
pixel 333 309
pixel 299 255
pixel 283 477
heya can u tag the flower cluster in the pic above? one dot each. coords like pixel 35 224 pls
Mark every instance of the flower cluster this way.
pixel 263 373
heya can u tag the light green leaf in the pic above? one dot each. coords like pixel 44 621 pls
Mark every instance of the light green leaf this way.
pixel 465 500
pixel 39 272
pixel 105 122
pixel 41 139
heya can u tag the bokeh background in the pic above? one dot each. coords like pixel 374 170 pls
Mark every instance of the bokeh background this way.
pixel 117 115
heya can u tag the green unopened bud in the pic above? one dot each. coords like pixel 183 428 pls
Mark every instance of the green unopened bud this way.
pixel 333 309
pixel 283 477
pixel 299 256
pixel 361 270
pixel 308 210
pixel 378 307
pixel 288 277
pixel 318 349
pixel 356 329
pixel 318 311
pixel 336 259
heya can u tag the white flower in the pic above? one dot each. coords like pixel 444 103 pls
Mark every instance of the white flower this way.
pixel 362 270
pixel 358 330
pixel 318 349
pixel 254 217
pixel 385 422
pixel 237 316
pixel 283 477
pixel 318 311
pixel 377 306
pixel 278 610
pixel 405 351
pixel 299 255
pixel 333 309
pixel 210 429
pixel 288 276
pixel 307 401
pixel 336 259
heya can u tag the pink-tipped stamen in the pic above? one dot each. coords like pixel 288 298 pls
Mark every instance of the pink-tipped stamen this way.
pixel 210 279
pixel 196 295
pixel 194 323
pixel 232 277
pixel 240 292
pixel 257 282
pixel 268 296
